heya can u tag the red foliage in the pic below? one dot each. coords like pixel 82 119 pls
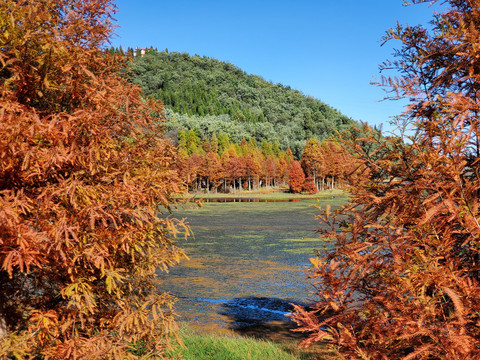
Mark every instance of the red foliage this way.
pixel 309 186
pixel 400 278
pixel 297 177
pixel 82 175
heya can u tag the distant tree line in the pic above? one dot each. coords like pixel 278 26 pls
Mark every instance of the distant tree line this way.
pixel 218 164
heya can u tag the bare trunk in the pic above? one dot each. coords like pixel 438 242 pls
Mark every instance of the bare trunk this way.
pixel 3 328
pixel 3 323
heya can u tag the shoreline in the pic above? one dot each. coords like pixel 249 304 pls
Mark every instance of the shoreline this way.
pixel 273 194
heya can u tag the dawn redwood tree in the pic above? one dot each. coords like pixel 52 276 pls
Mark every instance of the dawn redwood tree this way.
pixel 296 177
pixel 400 276
pixel 82 174
pixel 288 156
pixel 252 169
pixel 312 160
pixel 212 170
pixel 309 185
pixel 282 169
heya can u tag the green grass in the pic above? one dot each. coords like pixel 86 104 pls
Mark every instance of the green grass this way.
pixel 205 346
pixel 272 195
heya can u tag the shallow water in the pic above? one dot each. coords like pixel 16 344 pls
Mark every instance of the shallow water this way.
pixel 247 262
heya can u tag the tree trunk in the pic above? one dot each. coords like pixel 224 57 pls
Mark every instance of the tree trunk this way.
pixel 3 327
pixel 3 323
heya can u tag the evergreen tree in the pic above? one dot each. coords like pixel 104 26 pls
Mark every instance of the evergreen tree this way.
pixel 193 142
pixel 199 89
pixel 214 144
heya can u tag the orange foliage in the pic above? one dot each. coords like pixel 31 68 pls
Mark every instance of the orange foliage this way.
pixel 309 186
pixel 296 177
pixel 82 172
pixel 241 167
pixel 399 279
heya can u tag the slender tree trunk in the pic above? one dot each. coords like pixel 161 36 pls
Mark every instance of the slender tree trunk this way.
pixel 3 327
pixel 3 323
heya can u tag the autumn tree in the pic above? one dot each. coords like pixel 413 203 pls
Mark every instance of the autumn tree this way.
pixel 212 170
pixel 83 172
pixel 400 277
pixel 312 161
pixel 296 177
pixel 288 156
pixel 309 185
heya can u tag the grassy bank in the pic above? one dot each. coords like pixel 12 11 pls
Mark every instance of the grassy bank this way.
pixel 271 194
pixel 203 346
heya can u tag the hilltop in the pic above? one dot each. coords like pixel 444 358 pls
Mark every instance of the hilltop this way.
pixel 213 96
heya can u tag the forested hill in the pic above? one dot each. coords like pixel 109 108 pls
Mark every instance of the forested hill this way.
pixel 212 96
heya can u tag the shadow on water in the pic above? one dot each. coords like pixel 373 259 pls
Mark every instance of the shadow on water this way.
pixel 261 317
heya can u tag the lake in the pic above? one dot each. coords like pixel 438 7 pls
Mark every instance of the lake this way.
pixel 247 262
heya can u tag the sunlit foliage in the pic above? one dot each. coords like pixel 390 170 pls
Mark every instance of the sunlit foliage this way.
pixel 83 172
pixel 296 177
pixel 400 278
pixel 216 96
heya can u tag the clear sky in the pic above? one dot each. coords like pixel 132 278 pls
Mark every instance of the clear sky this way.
pixel 324 48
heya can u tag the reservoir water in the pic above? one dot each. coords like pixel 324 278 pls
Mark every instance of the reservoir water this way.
pixel 247 262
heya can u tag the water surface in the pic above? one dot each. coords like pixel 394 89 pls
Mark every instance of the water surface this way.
pixel 247 261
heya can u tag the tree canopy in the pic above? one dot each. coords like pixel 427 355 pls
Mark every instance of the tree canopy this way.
pixel 399 280
pixel 83 172
pixel 215 96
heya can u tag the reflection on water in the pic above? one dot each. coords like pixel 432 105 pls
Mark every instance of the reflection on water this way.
pixel 247 262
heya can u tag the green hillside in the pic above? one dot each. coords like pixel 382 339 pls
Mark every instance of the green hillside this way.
pixel 214 96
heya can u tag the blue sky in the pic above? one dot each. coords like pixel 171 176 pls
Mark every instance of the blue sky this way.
pixel 327 49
